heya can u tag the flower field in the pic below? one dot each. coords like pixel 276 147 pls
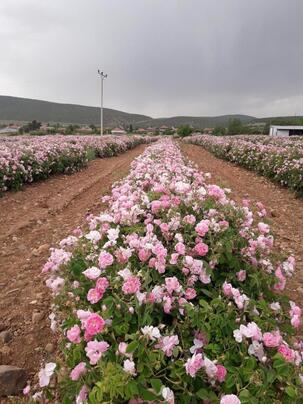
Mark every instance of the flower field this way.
pixel 170 296
pixel 280 159
pixel 24 159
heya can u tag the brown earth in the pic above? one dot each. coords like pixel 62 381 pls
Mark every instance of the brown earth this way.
pixel 284 208
pixel 31 221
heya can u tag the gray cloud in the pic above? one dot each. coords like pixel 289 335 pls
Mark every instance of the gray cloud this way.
pixel 172 57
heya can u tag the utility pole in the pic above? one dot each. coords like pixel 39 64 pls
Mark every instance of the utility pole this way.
pixel 102 76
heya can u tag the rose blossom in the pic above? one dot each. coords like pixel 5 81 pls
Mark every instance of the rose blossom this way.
pixel 167 344
pixel 93 296
pixel 172 284
pixel 46 373
pixel 168 395
pixel 73 334
pixel 92 273
pixel 194 364
pixel 101 285
pixel 201 249
pixel 94 324
pixel 272 339
pixel 230 399
pixel 95 349
pixel 105 259
pixel 129 367
pixel 221 373
pixel 286 352
pixel 241 275
pixel 202 227
pixel 190 293
pixel 82 396
pixel 131 285
pixel 78 371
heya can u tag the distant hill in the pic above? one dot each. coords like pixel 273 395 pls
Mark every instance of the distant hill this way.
pixel 282 120
pixel 25 109
pixel 196 121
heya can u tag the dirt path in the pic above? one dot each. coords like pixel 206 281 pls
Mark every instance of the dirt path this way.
pixel 285 210
pixel 31 221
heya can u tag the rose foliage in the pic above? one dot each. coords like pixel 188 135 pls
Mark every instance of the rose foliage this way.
pixel 171 296
pixel 24 159
pixel 277 158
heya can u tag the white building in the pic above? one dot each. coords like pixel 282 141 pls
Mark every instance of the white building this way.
pixel 286 130
pixel 118 131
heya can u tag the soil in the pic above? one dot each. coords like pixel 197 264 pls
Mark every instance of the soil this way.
pixel 284 209
pixel 32 221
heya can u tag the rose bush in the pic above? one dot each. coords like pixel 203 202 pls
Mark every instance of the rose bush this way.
pixel 25 159
pixel 169 296
pixel 278 158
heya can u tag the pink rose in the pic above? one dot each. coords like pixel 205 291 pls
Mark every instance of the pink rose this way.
pixel 295 321
pixel 101 285
pixel 263 228
pixel 230 399
pixel 131 285
pixel 105 259
pixel 189 219
pixel 95 349
pixel 180 248
pixel 221 373
pixel 241 275
pixel 272 339
pixel 282 280
pixel 82 396
pixel 201 249
pixel 156 206
pixel 287 353
pixel 93 296
pixel 78 371
pixel 202 227
pixel 194 364
pixel 144 255
pixel 92 273
pixel 94 324
pixel 190 293
pixel 167 344
pixel 227 289
pixel 172 284
pixel 73 334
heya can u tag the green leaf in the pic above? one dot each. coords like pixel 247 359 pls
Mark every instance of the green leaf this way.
pixel 148 395
pixel 245 396
pixel 204 304
pixel 203 394
pixel 132 346
pixel 291 392
pixel 156 384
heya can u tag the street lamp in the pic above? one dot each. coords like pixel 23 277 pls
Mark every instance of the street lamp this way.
pixel 102 76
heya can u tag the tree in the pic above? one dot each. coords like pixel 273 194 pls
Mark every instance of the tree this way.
pixel 219 131
pixel 31 126
pixel 131 128
pixel 184 130
pixel 234 126
pixel 168 132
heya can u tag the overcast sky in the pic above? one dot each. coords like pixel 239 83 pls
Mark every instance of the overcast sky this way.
pixel 163 57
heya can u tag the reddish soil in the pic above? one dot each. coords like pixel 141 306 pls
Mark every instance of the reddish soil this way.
pixel 32 221
pixel 285 210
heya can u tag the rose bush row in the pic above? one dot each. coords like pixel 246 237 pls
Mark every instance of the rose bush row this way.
pixel 280 159
pixel 25 159
pixel 170 296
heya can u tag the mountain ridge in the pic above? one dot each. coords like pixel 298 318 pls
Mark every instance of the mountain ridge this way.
pixel 27 109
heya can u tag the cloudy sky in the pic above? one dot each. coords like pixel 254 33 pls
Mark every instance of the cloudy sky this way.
pixel 163 57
